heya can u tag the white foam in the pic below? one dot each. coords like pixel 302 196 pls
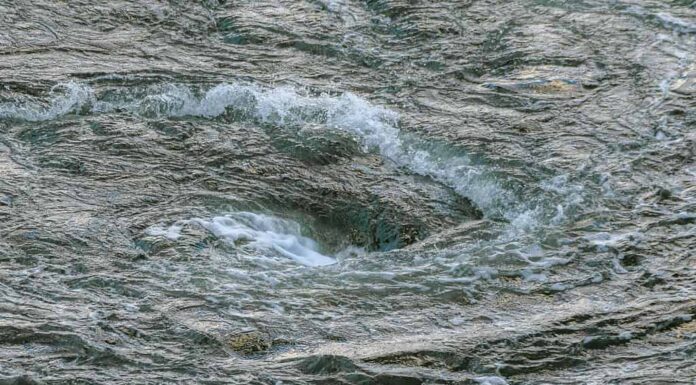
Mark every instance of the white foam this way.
pixel 173 232
pixel 63 99
pixel 491 380
pixel 604 241
pixel 258 231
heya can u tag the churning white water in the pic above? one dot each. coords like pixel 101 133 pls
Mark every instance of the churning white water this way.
pixel 261 232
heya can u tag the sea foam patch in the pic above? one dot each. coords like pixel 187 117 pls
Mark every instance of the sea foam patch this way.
pixel 260 232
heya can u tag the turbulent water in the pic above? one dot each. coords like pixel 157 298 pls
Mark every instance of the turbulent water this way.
pixel 367 192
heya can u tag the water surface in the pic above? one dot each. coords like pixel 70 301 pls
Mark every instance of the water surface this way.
pixel 348 192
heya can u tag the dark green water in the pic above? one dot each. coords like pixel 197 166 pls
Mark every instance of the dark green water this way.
pixel 348 192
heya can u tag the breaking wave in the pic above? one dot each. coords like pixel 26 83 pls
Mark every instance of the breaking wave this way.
pixel 376 126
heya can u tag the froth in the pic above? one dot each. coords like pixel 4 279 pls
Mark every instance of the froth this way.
pixel 257 231
pixel 64 98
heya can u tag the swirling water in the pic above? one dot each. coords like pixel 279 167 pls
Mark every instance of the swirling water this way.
pixel 348 192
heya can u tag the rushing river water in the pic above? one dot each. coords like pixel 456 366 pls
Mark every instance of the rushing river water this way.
pixel 367 192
